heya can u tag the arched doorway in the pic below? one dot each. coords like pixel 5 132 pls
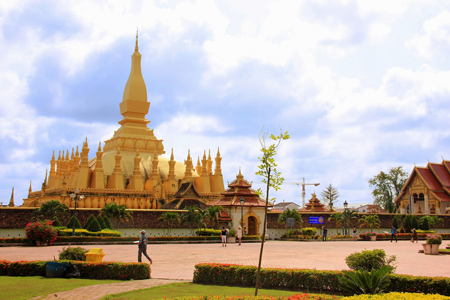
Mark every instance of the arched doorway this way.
pixel 251 226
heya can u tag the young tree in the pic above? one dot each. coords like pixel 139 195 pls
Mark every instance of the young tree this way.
pixel 211 213
pixel 50 209
pixel 337 218
pixel 192 217
pixel 271 177
pixel 170 218
pixel 387 187
pixel 116 213
pixel 329 196
pixel 282 219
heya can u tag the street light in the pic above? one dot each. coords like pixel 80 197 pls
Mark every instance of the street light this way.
pixel 242 213
pixel 345 217
pixel 74 196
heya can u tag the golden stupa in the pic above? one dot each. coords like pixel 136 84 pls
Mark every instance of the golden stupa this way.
pixel 130 169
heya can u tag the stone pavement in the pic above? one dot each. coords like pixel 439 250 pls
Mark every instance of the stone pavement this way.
pixel 94 292
pixel 176 261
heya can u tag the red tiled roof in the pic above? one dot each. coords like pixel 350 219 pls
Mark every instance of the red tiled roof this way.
pixel 443 196
pixel 429 179
pixel 441 173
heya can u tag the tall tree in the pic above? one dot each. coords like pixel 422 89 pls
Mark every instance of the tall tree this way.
pixel 329 196
pixel 271 177
pixel 116 213
pixel 387 187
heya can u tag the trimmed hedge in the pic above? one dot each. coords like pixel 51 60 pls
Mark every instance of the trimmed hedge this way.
pixel 305 279
pixel 405 236
pixel 396 296
pixel 85 232
pixel 88 270
pixel 208 232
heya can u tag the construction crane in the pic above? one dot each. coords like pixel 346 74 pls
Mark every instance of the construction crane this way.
pixel 303 184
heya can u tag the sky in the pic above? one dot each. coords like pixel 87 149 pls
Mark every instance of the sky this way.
pixel 360 86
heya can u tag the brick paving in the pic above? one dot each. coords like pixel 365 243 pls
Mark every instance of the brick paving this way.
pixel 176 261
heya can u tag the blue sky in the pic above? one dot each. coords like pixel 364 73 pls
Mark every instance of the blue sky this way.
pixel 361 86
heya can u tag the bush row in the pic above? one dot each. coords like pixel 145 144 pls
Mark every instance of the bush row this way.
pixel 88 270
pixel 305 279
pixel 85 232
pixel 81 239
pixel 405 236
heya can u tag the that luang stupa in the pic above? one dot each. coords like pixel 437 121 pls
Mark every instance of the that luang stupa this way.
pixel 130 169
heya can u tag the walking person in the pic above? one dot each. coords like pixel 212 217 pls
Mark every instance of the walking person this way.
pixel 239 234
pixel 354 234
pixel 224 236
pixel 414 236
pixel 142 244
pixel 393 233
pixel 324 235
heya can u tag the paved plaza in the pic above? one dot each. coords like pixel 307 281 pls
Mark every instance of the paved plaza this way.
pixel 176 261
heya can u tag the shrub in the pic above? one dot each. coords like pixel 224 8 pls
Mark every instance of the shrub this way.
pixel 107 222
pixel 88 221
pixel 42 232
pixel 26 268
pixel 434 239
pixel 407 223
pixel 397 296
pixel 101 222
pixel 364 282
pixel 369 260
pixel 77 223
pixel 73 253
pixel 395 222
pixel 94 226
pixel 414 223
pixel 232 232
pixel 308 231
pixel 208 232
pixel 4 267
pixel 425 225
pixel 84 232
pixel 56 222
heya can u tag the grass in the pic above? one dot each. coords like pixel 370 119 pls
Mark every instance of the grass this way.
pixel 16 288
pixel 188 289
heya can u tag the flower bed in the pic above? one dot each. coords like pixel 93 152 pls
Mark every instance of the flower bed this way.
pixel 404 236
pixel 88 270
pixel 302 237
pixel 93 239
pixel 305 279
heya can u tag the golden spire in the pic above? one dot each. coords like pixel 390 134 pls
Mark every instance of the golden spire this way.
pixel 11 201
pixel 240 176
pixel 53 156
pixel 171 155
pixel 77 153
pixel 45 180
pixel 99 146
pixel 136 49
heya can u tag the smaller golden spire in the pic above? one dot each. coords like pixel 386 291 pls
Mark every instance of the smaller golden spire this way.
pixel 99 147
pixel 45 180
pixel 53 156
pixel 171 155
pixel 72 156
pixel 189 154
pixel 136 49
pixel 11 201
pixel 59 155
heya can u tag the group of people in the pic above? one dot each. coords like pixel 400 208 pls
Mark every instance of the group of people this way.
pixel 414 237
pixel 143 241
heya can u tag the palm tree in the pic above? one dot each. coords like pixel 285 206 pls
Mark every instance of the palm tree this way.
pixel 337 218
pixel 211 213
pixel 192 216
pixel 170 218
pixel 50 209
pixel 370 221
pixel 288 213
pixel 116 213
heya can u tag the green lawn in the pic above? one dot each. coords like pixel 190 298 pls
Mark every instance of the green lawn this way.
pixel 16 288
pixel 188 289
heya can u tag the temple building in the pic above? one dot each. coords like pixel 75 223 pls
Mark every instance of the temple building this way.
pixel 129 169
pixel 314 205
pixel 427 190
pixel 252 208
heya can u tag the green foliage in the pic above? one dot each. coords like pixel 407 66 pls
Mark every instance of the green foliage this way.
pixel 365 282
pixel 4 267
pixel 288 213
pixel 387 187
pixel 56 222
pixel 88 221
pixel 94 226
pixel 193 217
pixel 208 232
pixel 107 222
pixel 370 221
pixel 211 214
pixel 424 225
pixel 395 222
pixel 88 270
pixel 309 231
pixel 50 209
pixel 232 232
pixel 329 196
pixel 170 218
pixel 414 223
pixel 116 213
pixel 434 239
pixel 77 223
pixel 101 222
pixel 369 260
pixel 433 221
pixel 73 253
pixel 85 232
pixel 407 224
pixel 41 232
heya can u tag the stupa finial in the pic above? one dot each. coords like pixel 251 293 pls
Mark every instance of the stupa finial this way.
pixel 136 49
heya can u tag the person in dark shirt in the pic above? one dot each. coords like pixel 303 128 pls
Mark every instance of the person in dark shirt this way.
pixel 324 235
pixel 224 236
pixel 142 244
pixel 393 233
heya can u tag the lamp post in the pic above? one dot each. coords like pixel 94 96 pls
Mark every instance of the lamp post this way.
pixel 345 217
pixel 242 213
pixel 74 196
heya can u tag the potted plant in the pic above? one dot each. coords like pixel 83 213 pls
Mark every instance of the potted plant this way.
pixel 432 244
pixel 232 236
pixel 372 236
